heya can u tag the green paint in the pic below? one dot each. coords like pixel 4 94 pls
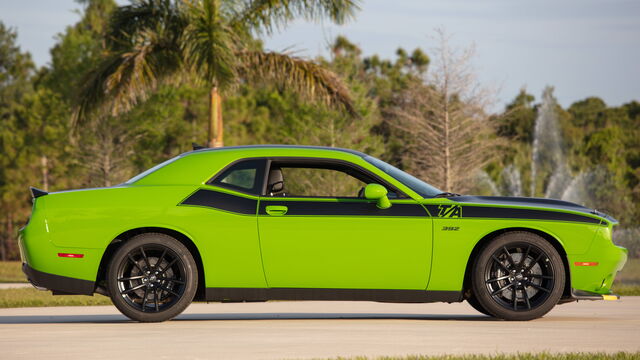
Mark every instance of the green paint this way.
pixel 282 250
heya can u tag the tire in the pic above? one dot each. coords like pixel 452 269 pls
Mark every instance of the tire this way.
pixel 476 305
pixel 522 261
pixel 152 278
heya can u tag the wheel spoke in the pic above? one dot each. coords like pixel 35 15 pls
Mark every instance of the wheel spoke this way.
pixel 534 262
pixel 161 258
pixel 131 278
pixel 538 287
pixel 167 267
pixel 155 299
pixel 524 258
pixel 540 276
pixel 134 262
pixel 169 291
pixel 499 262
pixel 509 257
pixel 514 297
pixel 144 301
pixel 497 279
pixel 146 259
pixel 526 298
pixel 173 281
pixel 501 289
pixel 133 289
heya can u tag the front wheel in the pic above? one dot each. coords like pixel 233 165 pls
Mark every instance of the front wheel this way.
pixel 518 276
pixel 152 277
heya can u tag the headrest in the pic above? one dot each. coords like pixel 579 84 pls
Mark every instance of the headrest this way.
pixel 276 181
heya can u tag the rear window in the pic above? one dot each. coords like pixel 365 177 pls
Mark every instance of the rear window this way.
pixel 245 176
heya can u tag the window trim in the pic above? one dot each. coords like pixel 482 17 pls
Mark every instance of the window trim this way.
pixel 357 168
pixel 260 186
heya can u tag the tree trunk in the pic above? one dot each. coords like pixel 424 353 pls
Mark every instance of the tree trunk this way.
pixel 9 242
pixel 106 169
pixel 44 161
pixel 3 250
pixel 216 126
pixel 447 150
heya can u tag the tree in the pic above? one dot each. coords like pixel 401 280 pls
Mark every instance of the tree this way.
pixel 16 71
pixel 445 116
pixel 155 42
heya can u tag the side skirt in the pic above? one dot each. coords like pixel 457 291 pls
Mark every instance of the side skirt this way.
pixel 381 295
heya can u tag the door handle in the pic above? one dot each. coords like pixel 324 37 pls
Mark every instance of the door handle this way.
pixel 276 210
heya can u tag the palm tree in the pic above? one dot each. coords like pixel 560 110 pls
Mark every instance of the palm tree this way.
pixel 155 42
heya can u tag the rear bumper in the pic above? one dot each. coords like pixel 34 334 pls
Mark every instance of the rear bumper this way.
pixel 58 284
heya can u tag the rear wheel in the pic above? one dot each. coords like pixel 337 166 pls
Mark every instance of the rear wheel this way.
pixel 152 277
pixel 518 276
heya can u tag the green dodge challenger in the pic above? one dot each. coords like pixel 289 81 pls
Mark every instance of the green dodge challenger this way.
pixel 257 223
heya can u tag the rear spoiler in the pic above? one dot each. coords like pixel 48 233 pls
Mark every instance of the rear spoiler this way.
pixel 36 193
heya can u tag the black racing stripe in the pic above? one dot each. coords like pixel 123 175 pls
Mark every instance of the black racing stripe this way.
pixel 513 213
pixel 343 208
pixel 222 201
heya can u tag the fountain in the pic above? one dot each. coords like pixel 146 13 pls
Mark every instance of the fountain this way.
pixel 548 157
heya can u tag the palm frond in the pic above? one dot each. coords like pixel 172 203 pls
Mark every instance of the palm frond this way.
pixel 271 15
pixel 305 77
pixel 126 77
pixel 128 22
pixel 209 45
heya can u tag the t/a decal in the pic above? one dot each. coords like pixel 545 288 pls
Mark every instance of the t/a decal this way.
pixel 450 211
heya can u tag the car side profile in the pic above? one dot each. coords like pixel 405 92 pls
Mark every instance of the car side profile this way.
pixel 276 222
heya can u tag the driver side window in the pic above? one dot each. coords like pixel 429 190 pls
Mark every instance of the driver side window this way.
pixel 318 182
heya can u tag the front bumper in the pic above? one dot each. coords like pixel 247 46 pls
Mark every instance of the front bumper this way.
pixel 59 285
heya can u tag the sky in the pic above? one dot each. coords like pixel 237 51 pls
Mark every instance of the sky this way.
pixel 581 47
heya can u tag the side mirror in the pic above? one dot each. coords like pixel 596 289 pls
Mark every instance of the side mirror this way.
pixel 379 193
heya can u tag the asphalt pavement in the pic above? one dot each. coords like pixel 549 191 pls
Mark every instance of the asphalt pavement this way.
pixel 302 330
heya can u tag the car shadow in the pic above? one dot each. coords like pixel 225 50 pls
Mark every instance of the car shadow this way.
pixel 116 318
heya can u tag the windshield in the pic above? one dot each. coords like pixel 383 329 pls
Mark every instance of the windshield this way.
pixel 417 185
pixel 145 173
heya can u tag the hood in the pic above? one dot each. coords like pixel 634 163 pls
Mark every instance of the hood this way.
pixel 539 203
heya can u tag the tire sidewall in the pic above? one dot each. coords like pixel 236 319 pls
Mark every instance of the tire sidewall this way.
pixel 121 255
pixel 481 262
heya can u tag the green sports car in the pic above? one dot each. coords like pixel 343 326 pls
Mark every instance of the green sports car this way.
pixel 257 223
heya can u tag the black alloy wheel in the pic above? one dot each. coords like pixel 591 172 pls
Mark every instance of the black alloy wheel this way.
pixel 152 277
pixel 518 276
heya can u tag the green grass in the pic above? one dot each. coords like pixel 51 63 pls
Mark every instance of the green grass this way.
pixel 28 297
pixel 11 272
pixel 626 290
pixel 541 356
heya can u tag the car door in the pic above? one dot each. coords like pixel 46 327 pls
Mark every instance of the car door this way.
pixel 317 232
